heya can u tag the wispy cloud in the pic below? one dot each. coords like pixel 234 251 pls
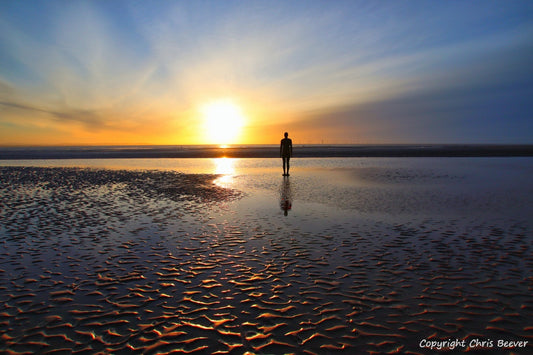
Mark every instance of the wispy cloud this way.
pixel 485 98
pixel 354 68
pixel 91 119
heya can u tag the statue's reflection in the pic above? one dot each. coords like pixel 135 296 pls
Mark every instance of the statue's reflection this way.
pixel 285 195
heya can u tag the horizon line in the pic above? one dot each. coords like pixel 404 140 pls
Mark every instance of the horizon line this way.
pixel 266 151
pixel 229 146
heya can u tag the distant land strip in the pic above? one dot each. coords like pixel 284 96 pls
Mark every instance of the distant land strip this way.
pixel 300 151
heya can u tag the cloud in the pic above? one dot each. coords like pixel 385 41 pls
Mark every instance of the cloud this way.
pixel 486 99
pixel 391 71
pixel 90 119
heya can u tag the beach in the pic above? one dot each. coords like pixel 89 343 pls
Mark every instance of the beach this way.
pixel 250 177
pixel 219 256
pixel 266 151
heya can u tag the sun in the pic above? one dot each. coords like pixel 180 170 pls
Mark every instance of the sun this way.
pixel 223 121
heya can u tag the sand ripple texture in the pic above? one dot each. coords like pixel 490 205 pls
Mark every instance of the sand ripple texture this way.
pixel 148 262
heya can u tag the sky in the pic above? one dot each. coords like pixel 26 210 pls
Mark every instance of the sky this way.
pixel 336 72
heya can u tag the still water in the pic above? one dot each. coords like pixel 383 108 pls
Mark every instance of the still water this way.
pixel 362 255
pixel 385 186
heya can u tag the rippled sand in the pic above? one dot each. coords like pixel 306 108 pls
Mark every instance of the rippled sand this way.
pixel 157 262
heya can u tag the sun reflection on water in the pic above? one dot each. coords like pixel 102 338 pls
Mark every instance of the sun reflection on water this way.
pixel 225 167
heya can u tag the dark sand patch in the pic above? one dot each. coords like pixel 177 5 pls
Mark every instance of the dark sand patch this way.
pixel 120 262
pixel 153 184
pixel 257 151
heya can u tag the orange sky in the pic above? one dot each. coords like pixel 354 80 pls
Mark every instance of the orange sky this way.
pixel 121 72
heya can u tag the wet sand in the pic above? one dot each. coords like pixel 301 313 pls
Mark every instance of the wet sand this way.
pixel 118 261
pixel 268 151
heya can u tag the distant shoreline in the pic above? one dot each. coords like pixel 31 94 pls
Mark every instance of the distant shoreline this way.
pixel 300 151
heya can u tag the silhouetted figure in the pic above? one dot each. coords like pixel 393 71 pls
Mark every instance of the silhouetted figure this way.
pixel 285 152
pixel 285 196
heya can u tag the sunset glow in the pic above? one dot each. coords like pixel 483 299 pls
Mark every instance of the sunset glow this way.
pixel 226 168
pixel 217 72
pixel 223 122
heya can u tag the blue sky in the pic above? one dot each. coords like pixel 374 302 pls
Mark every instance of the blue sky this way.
pixel 138 72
